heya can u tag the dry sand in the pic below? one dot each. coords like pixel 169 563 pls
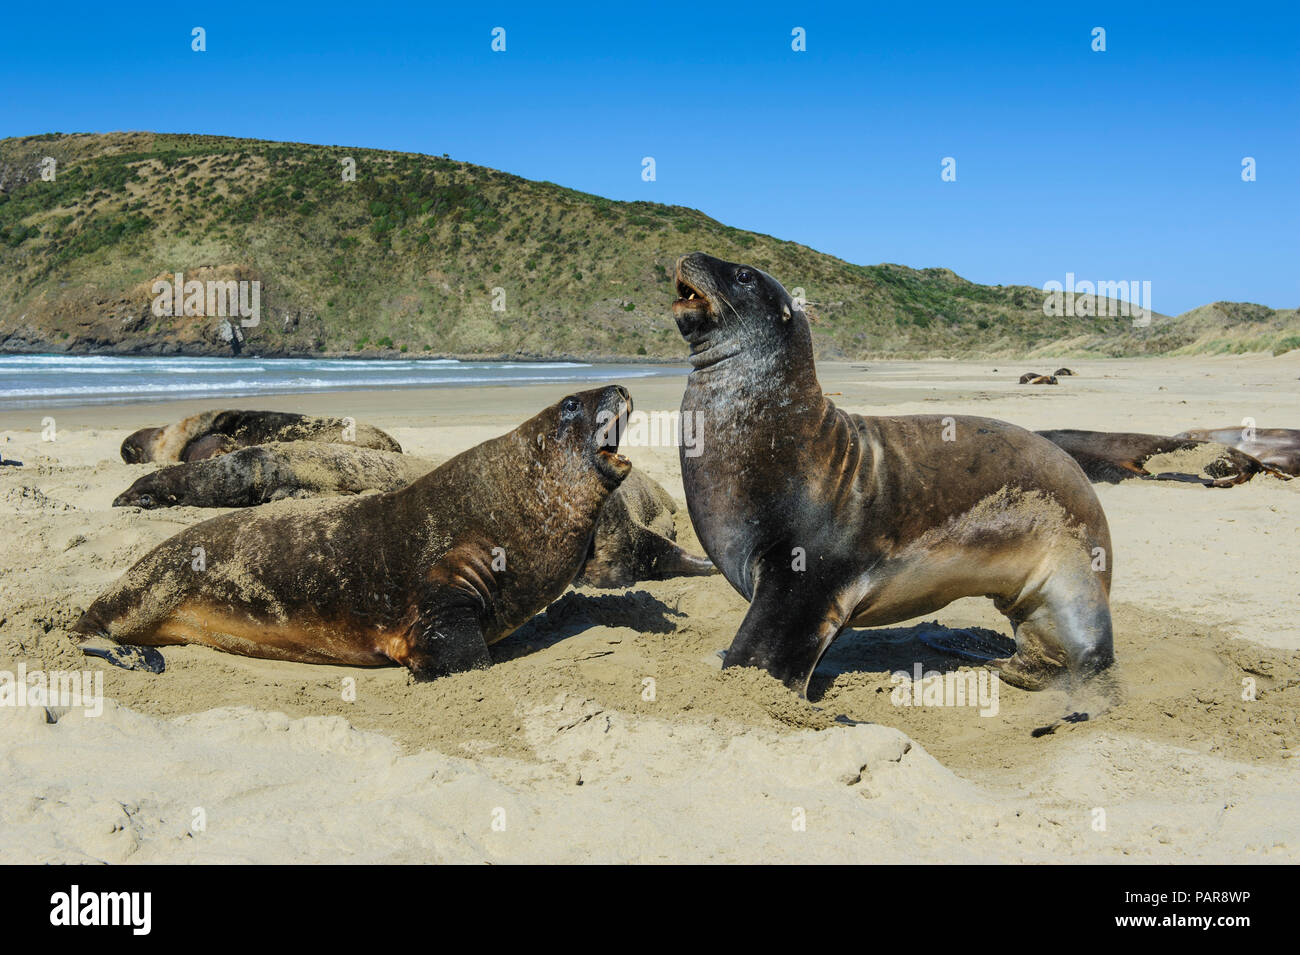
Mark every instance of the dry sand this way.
pixel 559 753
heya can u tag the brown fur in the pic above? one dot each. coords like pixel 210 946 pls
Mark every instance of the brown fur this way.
pixel 1113 456
pixel 211 433
pixel 824 519
pixel 634 537
pixel 413 576
pixel 1275 447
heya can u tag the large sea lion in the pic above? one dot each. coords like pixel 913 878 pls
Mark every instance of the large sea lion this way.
pixel 211 433
pixel 1113 456
pixel 425 577
pixel 1276 447
pixel 635 535
pixel 1033 378
pixel 824 519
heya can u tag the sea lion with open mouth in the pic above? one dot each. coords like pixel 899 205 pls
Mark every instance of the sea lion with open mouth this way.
pixel 425 577
pixel 824 519
pixel 635 536
pixel 212 433
pixel 1276 447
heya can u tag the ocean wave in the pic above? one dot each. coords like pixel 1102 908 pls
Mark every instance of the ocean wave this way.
pixel 35 381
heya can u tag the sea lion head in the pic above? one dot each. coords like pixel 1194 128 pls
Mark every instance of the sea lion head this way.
pixel 152 490
pixel 139 447
pixel 723 308
pixel 585 428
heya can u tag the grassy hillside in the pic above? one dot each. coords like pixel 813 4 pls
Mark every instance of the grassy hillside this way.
pixel 405 259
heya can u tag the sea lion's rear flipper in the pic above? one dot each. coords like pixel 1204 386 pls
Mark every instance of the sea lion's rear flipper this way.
pixel 1185 478
pixel 128 657
pixel 974 644
pixel 1051 728
pixel 668 559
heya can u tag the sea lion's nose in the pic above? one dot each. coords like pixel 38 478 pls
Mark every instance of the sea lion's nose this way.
pixel 695 262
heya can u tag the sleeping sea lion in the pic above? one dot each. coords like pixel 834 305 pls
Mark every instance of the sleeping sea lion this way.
pixel 211 433
pixel 636 539
pixel 270 472
pixel 1276 447
pixel 1112 456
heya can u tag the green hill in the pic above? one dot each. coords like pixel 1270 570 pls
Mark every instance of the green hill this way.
pixel 406 258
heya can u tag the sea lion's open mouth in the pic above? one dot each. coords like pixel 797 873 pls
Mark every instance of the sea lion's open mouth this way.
pixel 687 292
pixel 607 438
pixel 689 298
pixel 691 302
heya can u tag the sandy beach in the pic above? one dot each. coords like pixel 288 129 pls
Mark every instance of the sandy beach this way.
pixel 606 731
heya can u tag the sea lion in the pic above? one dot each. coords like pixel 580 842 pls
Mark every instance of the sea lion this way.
pixel 424 577
pixel 1062 372
pixel 636 539
pixel 635 535
pixel 270 472
pixel 1276 447
pixel 211 433
pixel 1033 378
pixel 1114 456
pixel 824 519
pixel 210 446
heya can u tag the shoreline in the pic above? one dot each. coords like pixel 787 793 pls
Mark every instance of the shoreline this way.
pixel 376 355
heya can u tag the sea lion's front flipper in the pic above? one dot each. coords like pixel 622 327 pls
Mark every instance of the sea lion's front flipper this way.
pixel 445 640
pixel 128 657
pixel 790 623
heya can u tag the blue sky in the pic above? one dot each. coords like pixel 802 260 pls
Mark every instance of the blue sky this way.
pixel 1117 165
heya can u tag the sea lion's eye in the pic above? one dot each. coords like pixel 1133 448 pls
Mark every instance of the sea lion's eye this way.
pixel 745 276
pixel 146 500
pixel 571 405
